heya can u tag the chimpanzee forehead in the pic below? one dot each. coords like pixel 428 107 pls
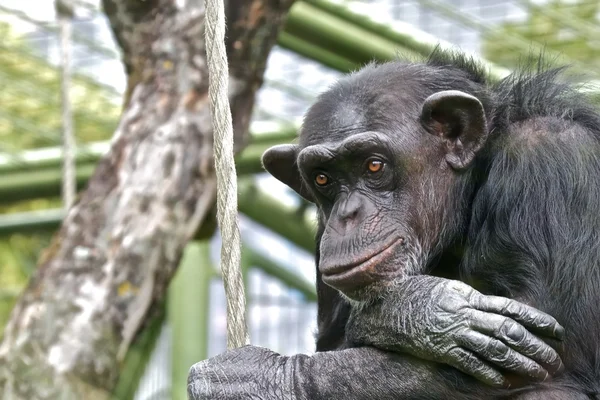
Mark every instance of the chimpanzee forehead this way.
pixel 379 98
pixel 333 122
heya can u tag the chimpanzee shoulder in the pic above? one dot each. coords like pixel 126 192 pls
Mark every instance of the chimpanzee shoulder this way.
pixel 535 89
pixel 538 91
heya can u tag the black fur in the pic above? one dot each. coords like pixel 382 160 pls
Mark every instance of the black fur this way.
pixel 528 210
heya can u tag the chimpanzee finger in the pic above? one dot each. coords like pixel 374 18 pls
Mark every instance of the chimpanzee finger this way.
pixel 528 316
pixel 467 362
pixel 500 354
pixel 517 337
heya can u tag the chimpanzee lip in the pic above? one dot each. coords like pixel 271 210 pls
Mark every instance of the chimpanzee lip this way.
pixel 340 274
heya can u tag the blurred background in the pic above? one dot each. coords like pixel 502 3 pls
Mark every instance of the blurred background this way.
pixel 321 41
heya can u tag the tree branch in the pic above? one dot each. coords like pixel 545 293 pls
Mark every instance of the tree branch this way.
pixel 122 241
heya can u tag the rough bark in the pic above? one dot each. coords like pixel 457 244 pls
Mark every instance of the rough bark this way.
pixel 121 242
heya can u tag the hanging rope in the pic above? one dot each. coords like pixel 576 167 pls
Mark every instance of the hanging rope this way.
pixel 64 12
pixel 218 71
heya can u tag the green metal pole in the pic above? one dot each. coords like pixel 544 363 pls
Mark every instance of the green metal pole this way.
pixel 411 39
pixel 316 53
pixel 138 356
pixel 90 153
pixel 272 214
pixel 188 314
pixel 40 177
pixel 253 202
pixel 343 38
pixel 288 277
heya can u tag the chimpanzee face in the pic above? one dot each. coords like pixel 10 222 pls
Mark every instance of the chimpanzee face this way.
pixel 381 182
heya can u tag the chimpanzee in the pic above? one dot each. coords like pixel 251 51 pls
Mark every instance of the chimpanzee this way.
pixel 450 211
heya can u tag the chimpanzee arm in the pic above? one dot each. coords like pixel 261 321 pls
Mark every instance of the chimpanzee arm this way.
pixel 447 321
pixel 332 316
pixel 353 374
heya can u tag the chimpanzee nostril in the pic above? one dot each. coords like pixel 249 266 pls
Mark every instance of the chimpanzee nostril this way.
pixel 350 207
pixel 349 214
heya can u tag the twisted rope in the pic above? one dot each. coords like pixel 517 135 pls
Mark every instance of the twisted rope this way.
pixel 218 72
pixel 64 11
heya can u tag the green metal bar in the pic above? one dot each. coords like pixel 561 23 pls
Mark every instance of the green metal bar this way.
pixel 39 184
pixel 288 277
pixel 51 157
pixel 245 265
pixel 408 37
pixel 272 214
pixel 31 221
pixel 188 313
pixel 249 161
pixel 138 355
pixel 316 53
pixel 337 35
pixel 38 173
pixel 414 39
pixel 253 202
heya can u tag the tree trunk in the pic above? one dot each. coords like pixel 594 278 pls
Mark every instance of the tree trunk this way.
pixel 121 242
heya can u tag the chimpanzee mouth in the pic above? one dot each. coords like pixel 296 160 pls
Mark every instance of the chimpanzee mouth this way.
pixel 363 271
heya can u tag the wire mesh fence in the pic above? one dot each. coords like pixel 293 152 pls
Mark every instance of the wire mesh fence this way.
pixel 500 31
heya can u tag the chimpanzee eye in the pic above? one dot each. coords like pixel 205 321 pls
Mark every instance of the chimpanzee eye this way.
pixel 374 165
pixel 321 179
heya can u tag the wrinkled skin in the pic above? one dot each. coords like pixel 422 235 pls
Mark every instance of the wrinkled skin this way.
pixel 443 325
pixel 258 373
pixel 400 162
pixel 449 322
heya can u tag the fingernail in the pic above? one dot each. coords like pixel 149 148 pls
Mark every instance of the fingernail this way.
pixel 559 332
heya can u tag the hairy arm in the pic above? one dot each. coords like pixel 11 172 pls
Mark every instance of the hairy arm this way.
pixel 334 372
pixel 367 372
pixel 352 374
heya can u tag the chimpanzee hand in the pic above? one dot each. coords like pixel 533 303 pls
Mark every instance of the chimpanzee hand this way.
pixel 449 322
pixel 249 372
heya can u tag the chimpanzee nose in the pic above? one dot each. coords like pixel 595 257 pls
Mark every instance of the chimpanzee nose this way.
pixel 349 213
pixel 350 207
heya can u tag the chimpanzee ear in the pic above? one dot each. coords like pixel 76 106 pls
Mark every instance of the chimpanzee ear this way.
pixel 280 161
pixel 459 118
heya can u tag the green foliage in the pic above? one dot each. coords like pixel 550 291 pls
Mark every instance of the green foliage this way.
pixel 568 27
pixel 30 117
pixel 18 257
pixel 30 106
